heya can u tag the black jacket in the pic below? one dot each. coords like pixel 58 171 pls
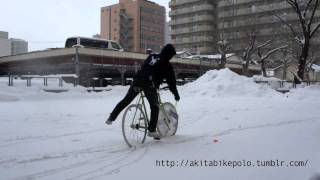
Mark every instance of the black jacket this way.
pixel 156 68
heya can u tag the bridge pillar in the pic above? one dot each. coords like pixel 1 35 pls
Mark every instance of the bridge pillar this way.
pixel 136 67
pixel 77 68
pixel 10 80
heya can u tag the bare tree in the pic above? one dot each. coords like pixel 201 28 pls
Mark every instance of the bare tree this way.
pixel 247 54
pixel 264 57
pixel 305 10
pixel 285 61
pixel 224 47
pixel 311 61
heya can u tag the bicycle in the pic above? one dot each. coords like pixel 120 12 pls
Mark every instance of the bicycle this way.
pixel 135 121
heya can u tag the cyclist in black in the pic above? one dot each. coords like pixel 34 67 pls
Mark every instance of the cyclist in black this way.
pixel 154 70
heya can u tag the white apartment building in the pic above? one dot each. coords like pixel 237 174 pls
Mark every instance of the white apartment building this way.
pixel 18 46
pixel 5 44
pixel 194 25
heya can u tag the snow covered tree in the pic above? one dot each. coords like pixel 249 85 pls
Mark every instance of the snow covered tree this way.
pixel 305 10
pixel 263 57
pixel 311 61
pixel 285 61
pixel 224 47
pixel 248 51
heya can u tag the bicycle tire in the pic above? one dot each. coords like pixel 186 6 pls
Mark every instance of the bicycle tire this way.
pixel 170 115
pixel 134 125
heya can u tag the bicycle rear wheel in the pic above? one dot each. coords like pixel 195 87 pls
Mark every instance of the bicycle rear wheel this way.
pixel 134 125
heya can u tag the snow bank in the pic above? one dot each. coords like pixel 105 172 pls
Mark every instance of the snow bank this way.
pixel 307 92
pixel 225 83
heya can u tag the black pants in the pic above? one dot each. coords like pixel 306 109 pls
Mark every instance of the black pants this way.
pixel 151 95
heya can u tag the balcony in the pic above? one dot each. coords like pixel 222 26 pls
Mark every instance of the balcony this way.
pixel 262 9
pixel 194 39
pixel 192 9
pixel 174 3
pixel 190 30
pixel 192 19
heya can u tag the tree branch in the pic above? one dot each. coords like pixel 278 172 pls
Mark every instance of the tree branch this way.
pixel 263 57
pixel 315 30
pixel 306 8
pixel 302 19
pixel 295 33
pixel 264 44
pixel 295 5
pixel 310 21
pixel 273 51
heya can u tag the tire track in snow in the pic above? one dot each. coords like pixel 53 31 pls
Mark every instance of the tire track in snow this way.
pixel 44 157
pixel 268 125
pixel 120 155
pixel 44 138
pixel 105 170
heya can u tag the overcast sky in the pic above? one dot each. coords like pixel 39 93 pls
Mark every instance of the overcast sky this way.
pixel 47 23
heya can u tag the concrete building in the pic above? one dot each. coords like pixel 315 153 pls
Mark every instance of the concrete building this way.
pixel 97 36
pixel 167 34
pixel 194 25
pixel 136 24
pixel 238 18
pixel 5 44
pixel 18 46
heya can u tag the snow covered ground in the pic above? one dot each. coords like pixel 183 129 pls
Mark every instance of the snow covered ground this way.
pixel 229 128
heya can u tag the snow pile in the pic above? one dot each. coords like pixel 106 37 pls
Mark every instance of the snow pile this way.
pixel 261 78
pixel 316 67
pixel 225 83
pixel 308 92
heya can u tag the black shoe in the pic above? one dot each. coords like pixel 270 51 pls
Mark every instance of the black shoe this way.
pixel 155 135
pixel 109 121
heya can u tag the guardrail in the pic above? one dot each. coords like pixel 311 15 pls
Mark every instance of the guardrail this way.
pixel 28 78
pixel 283 86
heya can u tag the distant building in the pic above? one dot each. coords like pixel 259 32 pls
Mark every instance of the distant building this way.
pixel 167 34
pixel 18 46
pixel 97 36
pixel 194 25
pixel 137 25
pixel 237 19
pixel 5 44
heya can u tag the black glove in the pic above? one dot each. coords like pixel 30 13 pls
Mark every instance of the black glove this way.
pixel 177 97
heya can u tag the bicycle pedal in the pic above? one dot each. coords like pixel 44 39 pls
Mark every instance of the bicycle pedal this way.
pixel 157 138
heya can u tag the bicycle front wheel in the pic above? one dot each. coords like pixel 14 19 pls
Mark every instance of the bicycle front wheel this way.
pixel 168 120
pixel 134 125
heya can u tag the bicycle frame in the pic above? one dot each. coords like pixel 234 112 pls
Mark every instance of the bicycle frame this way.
pixel 141 99
pixel 142 102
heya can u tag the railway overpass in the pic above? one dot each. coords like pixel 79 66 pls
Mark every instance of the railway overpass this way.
pixel 98 64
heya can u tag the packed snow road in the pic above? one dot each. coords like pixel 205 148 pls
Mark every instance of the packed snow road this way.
pixel 229 128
